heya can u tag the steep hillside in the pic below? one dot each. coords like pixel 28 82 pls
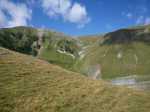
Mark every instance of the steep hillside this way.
pixel 122 53
pixel 19 39
pixel 119 59
pixel 49 45
pixel 141 34
pixel 117 54
pixel 28 84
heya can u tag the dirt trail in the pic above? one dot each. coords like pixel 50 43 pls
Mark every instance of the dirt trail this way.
pixel 96 74
pixel 94 71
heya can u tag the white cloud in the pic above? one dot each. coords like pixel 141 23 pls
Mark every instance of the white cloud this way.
pixel 129 15
pixel 77 14
pixel 2 19
pixel 147 20
pixel 72 12
pixel 140 20
pixel 56 7
pixel 138 14
pixel 14 14
pixel 143 20
pixel 30 2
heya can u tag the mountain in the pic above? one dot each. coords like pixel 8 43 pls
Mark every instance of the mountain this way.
pixel 120 56
pixel 49 45
pixel 138 34
pixel 28 84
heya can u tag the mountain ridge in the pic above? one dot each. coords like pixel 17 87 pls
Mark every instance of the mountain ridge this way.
pixel 123 48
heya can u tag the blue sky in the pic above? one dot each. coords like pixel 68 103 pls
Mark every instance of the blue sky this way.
pixel 75 17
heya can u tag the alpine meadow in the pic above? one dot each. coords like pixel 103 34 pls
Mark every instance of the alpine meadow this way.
pixel 74 56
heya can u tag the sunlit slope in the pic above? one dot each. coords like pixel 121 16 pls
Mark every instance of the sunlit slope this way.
pixel 120 59
pixel 90 39
pixel 31 85
pixel 49 45
pixel 121 53
pixel 62 52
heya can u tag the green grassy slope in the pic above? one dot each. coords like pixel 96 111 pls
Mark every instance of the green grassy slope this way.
pixel 19 38
pixel 53 56
pixel 133 59
pixel 91 39
pixel 66 58
pixel 28 84
pixel 42 43
pixel 120 53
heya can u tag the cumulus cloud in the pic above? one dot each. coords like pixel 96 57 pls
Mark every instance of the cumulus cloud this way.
pixel 77 14
pixel 56 7
pixel 72 12
pixel 12 14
